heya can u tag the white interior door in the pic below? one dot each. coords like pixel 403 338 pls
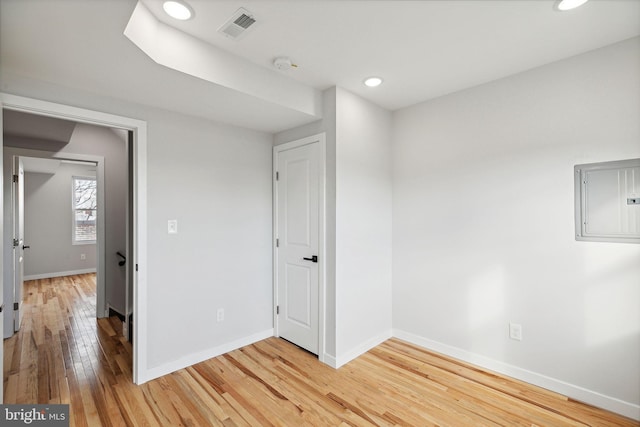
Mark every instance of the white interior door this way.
pixel 18 241
pixel 297 225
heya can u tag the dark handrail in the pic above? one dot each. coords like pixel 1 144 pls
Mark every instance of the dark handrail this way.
pixel 124 259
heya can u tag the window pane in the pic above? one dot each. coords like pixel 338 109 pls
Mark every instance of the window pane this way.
pixel 85 225
pixel 85 209
pixel 85 193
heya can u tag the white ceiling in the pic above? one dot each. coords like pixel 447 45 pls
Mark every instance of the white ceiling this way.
pixel 422 49
pixel 37 127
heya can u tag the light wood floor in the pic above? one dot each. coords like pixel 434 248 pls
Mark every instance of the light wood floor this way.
pixel 63 355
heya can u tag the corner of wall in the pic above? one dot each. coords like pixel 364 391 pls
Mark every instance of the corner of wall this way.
pixel 361 349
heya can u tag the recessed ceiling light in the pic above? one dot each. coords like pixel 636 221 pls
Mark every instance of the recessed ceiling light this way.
pixel 178 10
pixel 373 81
pixel 570 4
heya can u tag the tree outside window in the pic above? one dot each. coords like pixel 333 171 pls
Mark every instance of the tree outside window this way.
pixel 85 205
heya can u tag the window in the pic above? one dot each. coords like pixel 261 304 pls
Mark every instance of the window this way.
pixel 84 210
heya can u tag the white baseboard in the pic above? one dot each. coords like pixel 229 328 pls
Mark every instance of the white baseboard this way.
pixel 201 356
pixel 59 274
pixel 330 360
pixel 361 349
pixel 618 406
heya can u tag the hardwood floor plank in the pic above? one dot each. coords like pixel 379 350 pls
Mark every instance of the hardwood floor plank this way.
pixel 399 385
pixel 309 401
pixel 128 398
pixel 63 354
pixel 453 384
pixel 204 403
pixel 11 388
pixel 222 409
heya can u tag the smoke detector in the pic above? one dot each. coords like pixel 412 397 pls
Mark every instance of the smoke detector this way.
pixel 283 63
pixel 238 25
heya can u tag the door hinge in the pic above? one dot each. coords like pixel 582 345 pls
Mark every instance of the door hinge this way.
pixel 277 176
pixel 136 267
pixel 16 243
pixel 277 309
pixel 15 178
pixel 277 243
pixel 1 308
pixel 16 306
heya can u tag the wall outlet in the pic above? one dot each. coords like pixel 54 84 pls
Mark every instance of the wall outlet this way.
pixel 220 314
pixel 515 331
pixel 83 256
pixel 172 226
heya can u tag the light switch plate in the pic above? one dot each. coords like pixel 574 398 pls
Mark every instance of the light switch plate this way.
pixel 172 226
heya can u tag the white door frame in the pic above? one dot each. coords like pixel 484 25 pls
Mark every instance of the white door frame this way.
pixel 139 256
pixel 17 228
pixel 320 140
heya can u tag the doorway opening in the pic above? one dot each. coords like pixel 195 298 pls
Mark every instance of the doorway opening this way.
pixel 54 213
pixel 58 244
pixel 135 195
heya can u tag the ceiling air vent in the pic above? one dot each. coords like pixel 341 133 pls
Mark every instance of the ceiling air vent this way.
pixel 238 24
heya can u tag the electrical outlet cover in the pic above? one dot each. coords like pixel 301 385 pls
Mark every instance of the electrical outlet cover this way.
pixel 515 331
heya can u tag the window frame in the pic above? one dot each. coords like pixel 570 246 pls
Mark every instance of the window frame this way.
pixel 74 240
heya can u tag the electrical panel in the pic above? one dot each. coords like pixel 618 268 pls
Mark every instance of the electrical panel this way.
pixel 607 201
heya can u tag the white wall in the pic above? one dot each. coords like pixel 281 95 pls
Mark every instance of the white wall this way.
pixel 216 181
pixel 483 230
pixel 48 226
pixel 363 225
pixel 110 144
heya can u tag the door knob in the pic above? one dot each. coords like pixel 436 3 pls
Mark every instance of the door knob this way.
pixel 26 247
pixel 314 258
